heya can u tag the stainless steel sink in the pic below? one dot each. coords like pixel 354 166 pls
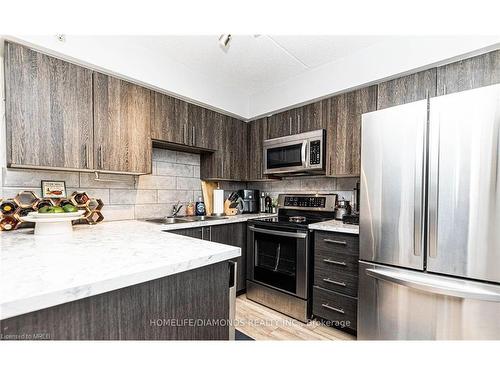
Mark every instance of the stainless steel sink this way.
pixel 203 218
pixel 166 220
pixel 183 219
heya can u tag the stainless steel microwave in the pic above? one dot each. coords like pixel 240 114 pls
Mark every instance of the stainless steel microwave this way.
pixel 302 153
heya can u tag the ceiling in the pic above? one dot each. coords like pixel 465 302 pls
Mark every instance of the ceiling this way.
pixel 257 75
pixel 257 62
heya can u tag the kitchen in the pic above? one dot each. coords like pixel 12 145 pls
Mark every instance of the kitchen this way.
pixel 132 212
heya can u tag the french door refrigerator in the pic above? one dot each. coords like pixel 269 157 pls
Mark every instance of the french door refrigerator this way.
pixel 430 219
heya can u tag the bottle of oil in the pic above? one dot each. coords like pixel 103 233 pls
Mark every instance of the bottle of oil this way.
pixel 269 203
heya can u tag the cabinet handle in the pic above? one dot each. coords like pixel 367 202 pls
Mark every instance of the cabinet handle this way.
pixel 339 283
pixel 193 136
pixel 335 262
pixel 85 157
pixel 290 124
pixel 99 157
pixel 327 306
pixel 298 123
pixel 210 234
pixel 344 243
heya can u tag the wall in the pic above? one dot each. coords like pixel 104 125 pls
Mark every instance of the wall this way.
pixel 342 186
pixel 176 177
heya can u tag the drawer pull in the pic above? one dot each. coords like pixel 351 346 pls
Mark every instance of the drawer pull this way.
pixel 336 242
pixel 327 306
pixel 328 280
pixel 334 262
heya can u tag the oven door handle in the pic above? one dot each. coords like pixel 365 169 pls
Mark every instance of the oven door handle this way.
pixel 278 233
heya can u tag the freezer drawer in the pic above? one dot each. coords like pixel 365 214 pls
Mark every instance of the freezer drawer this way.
pixel 464 184
pixel 397 304
pixel 392 185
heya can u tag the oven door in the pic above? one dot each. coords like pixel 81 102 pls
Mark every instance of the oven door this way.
pixel 279 259
pixel 285 156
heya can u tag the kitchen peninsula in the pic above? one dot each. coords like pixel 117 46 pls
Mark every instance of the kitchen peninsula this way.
pixel 116 280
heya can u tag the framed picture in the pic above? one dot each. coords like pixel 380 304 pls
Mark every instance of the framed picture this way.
pixel 53 189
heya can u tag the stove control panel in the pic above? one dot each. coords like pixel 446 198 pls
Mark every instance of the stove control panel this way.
pixel 291 201
pixel 318 202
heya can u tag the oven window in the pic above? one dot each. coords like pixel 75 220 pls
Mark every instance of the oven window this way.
pixel 286 156
pixel 276 261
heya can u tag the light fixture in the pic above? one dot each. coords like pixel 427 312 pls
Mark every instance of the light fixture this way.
pixel 61 37
pixel 224 40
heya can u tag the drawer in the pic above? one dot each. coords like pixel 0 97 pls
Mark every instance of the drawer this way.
pixel 335 307
pixel 338 243
pixel 331 261
pixel 344 282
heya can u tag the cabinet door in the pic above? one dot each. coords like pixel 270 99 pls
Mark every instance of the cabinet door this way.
pixel 190 232
pixel 256 133
pixel 342 118
pixel 478 71
pixel 169 118
pixel 199 129
pixel 237 150
pixel 308 118
pixel 280 124
pixel 48 110
pixel 212 162
pixel 122 138
pixel 407 89
pixel 235 235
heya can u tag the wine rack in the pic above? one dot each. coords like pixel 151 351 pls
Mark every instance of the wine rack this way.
pixel 27 201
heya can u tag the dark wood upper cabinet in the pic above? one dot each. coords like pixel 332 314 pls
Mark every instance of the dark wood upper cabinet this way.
pixel 294 121
pixel 407 89
pixel 48 111
pixel 342 119
pixel 122 126
pixel 169 118
pixel 279 124
pixel 477 71
pixel 257 130
pixel 308 117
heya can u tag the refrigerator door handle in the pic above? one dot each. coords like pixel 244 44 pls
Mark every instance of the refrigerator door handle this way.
pixel 419 192
pixel 432 219
pixel 431 284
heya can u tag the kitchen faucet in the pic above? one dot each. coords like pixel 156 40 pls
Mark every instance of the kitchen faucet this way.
pixel 176 208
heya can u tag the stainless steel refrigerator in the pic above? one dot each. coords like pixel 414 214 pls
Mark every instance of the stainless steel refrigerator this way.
pixel 430 219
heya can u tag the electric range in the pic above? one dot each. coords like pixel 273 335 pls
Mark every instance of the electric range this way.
pixel 279 262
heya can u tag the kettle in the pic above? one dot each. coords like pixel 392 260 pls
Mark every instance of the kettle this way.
pixel 343 208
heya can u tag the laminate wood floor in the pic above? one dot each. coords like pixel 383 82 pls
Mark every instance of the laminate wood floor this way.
pixel 262 323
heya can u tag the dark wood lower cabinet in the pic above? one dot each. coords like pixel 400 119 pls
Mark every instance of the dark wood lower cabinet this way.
pixel 335 290
pixel 229 234
pixel 154 310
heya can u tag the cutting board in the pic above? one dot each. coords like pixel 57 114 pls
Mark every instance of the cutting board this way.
pixel 207 188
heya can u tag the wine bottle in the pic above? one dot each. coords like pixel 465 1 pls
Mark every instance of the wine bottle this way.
pixel 8 207
pixel 8 223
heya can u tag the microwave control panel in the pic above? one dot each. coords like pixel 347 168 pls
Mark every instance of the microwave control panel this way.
pixel 315 153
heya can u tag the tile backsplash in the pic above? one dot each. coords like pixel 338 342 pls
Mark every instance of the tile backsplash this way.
pixel 342 186
pixel 175 177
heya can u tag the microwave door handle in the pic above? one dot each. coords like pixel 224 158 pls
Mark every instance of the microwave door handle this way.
pixel 303 153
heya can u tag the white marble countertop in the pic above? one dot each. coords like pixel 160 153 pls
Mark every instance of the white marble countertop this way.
pixel 226 220
pixel 335 226
pixel 39 272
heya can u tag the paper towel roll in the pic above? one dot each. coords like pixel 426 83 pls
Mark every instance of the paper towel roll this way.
pixel 218 202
